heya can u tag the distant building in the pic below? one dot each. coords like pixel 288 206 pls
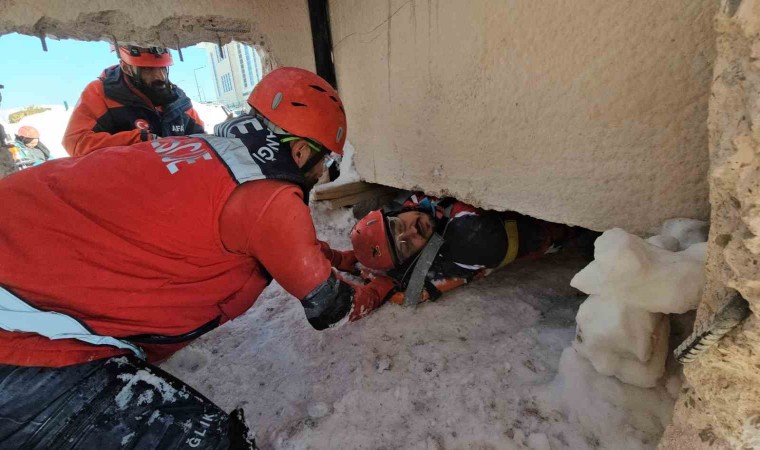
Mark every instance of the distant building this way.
pixel 235 71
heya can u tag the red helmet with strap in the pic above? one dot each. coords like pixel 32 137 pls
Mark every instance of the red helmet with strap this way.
pixel 28 132
pixel 146 56
pixel 371 242
pixel 303 104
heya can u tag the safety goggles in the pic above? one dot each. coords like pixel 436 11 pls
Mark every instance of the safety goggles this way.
pixel 316 146
pixel 137 51
pixel 396 229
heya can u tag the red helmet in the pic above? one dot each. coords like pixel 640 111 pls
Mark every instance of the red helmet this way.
pixel 28 132
pixel 146 57
pixel 371 242
pixel 303 104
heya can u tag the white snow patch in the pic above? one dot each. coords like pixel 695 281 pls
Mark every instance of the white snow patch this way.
pixel 211 114
pixel 686 231
pixel 622 327
pixel 348 173
pixel 630 271
pixel 155 415
pixel 125 440
pixel 611 414
pixel 168 393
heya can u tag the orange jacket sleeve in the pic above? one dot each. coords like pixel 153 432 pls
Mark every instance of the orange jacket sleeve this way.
pixel 84 132
pixel 268 220
pixel 199 125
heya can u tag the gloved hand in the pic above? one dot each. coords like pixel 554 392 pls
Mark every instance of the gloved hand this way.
pixel 370 296
pixel 345 261
pixel 398 297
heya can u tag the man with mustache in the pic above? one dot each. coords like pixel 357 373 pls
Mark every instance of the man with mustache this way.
pixel 473 243
pixel 129 103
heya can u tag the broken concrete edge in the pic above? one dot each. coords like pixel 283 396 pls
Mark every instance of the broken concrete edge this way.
pixel 719 407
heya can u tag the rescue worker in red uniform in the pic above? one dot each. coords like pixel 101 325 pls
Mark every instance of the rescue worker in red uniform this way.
pixel 129 103
pixel 473 243
pixel 147 247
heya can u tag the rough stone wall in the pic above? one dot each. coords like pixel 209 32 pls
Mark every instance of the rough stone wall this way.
pixel 280 28
pixel 720 405
pixel 585 112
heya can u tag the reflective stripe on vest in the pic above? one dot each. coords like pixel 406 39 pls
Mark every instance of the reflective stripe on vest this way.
pixel 513 242
pixel 17 315
pixel 237 158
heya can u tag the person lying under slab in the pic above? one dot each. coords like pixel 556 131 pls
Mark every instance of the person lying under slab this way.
pixel 431 245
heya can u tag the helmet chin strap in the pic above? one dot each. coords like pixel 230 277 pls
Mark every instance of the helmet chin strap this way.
pixel 313 160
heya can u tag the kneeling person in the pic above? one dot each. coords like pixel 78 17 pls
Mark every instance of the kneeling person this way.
pixel 118 259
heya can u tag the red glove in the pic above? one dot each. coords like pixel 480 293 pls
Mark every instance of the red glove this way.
pixel 370 296
pixel 344 261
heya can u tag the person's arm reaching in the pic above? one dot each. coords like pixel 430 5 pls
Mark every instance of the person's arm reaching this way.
pixel 89 124
pixel 280 234
pixel 343 260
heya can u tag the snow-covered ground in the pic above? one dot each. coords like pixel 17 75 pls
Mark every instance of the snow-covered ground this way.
pixel 489 366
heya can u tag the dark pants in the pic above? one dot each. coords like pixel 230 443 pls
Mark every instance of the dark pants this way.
pixel 119 402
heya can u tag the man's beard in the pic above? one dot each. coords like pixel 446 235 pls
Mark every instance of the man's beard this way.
pixel 159 93
pixel 309 182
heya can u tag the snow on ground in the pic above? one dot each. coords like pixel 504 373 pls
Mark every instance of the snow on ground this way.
pixel 475 370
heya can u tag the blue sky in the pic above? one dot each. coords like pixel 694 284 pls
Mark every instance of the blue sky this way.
pixel 34 77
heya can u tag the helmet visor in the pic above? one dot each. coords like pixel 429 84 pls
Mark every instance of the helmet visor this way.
pixel 397 228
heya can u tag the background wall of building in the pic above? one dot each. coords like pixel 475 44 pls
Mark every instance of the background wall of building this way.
pixel 281 29
pixel 579 112
pixel 235 71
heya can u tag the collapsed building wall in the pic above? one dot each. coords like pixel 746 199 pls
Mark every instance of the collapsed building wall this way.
pixel 720 405
pixel 585 113
pixel 281 29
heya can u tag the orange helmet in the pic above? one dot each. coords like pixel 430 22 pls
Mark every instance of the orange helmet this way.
pixel 303 104
pixel 146 56
pixel 371 241
pixel 28 132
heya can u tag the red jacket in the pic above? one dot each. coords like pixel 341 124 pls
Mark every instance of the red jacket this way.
pixel 111 112
pixel 134 242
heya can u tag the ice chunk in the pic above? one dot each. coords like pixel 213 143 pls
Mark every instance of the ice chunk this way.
pixel 630 271
pixel 686 231
pixel 625 366
pixel 613 327
pixel 618 415
pixel 666 242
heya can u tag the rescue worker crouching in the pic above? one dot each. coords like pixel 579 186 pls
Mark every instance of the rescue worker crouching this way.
pixel 191 245
pixel 129 103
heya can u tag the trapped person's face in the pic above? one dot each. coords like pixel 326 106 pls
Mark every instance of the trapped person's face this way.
pixel 410 230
